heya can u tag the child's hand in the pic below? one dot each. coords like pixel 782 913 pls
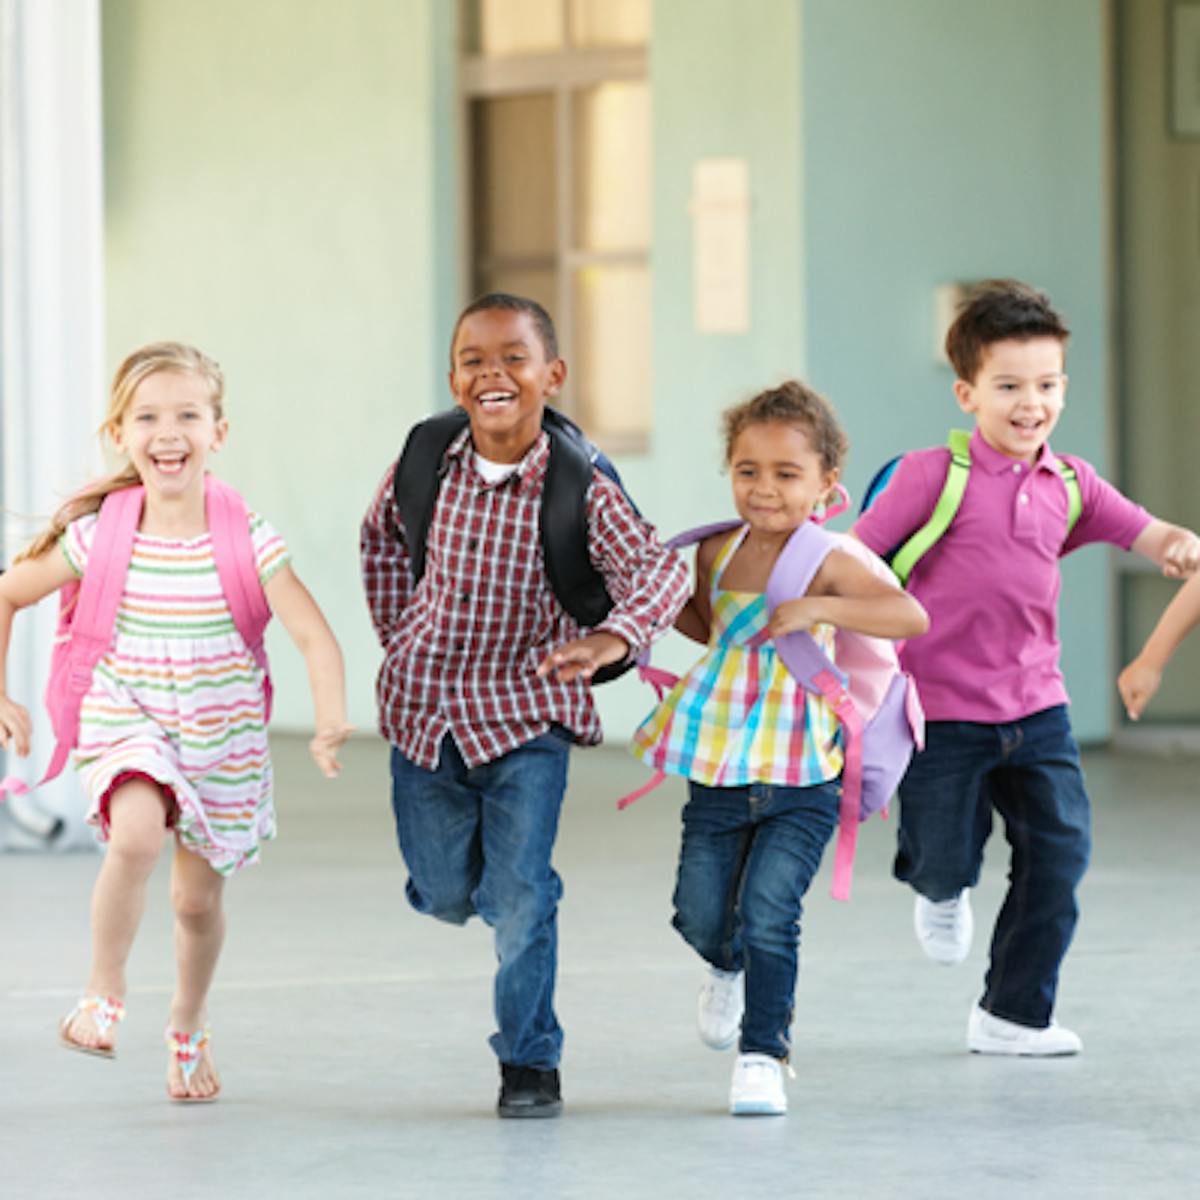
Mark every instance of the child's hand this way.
pixel 1137 685
pixel 1182 557
pixel 584 656
pixel 796 616
pixel 324 748
pixel 15 726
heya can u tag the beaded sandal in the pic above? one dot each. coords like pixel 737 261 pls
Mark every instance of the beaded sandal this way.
pixel 187 1048
pixel 105 1011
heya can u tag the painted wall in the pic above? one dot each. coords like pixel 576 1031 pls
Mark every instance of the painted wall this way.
pixel 949 141
pixel 1160 305
pixel 271 171
pixel 726 83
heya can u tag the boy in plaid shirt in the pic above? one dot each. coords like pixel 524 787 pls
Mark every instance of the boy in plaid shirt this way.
pixel 481 650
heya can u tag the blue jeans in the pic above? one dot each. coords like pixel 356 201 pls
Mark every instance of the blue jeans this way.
pixel 479 840
pixel 748 856
pixel 1029 773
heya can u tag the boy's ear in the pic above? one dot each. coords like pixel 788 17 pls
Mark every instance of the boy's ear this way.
pixel 558 376
pixel 964 393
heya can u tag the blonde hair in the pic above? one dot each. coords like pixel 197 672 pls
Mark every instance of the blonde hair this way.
pixel 137 367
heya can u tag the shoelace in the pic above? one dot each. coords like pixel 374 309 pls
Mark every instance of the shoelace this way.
pixel 944 915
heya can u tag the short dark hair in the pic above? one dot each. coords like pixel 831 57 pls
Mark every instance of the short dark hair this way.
pixel 995 311
pixel 792 403
pixel 510 303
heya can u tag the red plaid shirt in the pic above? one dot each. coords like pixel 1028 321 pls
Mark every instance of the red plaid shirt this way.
pixel 463 647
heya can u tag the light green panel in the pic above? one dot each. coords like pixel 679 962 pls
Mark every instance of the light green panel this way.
pixel 725 83
pixel 270 187
pixel 953 140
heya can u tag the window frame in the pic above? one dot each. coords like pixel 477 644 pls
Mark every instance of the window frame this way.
pixel 559 73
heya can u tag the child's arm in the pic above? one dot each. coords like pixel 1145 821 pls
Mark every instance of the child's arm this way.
pixel 846 594
pixel 20 586
pixel 1140 679
pixel 384 560
pixel 291 602
pixel 695 617
pixel 647 581
pixel 1175 549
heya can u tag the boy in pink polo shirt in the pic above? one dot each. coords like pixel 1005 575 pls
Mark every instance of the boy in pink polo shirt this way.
pixel 999 739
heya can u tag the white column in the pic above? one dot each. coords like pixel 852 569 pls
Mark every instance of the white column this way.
pixel 52 383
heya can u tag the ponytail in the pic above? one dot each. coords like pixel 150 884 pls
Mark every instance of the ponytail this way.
pixel 83 502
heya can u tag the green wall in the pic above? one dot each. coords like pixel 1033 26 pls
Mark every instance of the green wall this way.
pixel 954 140
pixel 270 191
pixel 726 83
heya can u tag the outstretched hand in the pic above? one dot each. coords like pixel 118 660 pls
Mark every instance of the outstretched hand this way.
pixel 584 656
pixel 1137 685
pixel 1182 557
pixel 324 748
pixel 15 726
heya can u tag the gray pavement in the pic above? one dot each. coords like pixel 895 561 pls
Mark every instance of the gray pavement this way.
pixel 351 1032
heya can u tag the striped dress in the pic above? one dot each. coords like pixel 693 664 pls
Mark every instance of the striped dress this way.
pixel 178 697
pixel 738 717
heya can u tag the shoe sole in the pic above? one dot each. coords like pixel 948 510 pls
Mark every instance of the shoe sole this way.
pixel 756 1108
pixel 1003 1050
pixel 80 1048
pixel 525 1112
pixel 722 1045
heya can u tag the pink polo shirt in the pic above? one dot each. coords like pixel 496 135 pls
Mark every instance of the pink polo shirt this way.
pixel 991 584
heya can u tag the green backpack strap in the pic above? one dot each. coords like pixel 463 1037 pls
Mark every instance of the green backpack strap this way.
pixel 1074 497
pixel 947 504
pixel 919 544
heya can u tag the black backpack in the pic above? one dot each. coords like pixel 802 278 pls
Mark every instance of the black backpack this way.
pixel 562 521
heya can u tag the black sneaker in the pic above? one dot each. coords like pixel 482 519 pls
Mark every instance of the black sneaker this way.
pixel 528 1092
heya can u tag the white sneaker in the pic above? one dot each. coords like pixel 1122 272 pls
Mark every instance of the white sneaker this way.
pixel 757 1087
pixel 945 927
pixel 719 1008
pixel 987 1034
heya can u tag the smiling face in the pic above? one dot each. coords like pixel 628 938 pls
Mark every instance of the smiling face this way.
pixel 500 374
pixel 168 429
pixel 1017 395
pixel 778 478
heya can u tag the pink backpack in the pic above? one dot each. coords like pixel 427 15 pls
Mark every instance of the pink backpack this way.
pixel 876 703
pixel 87 611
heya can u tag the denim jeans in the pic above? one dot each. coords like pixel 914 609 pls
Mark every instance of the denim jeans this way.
pixel 1027 771
pixel 478 840
pixel 748 856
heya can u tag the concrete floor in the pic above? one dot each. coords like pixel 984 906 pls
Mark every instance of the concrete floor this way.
pixel 351 1033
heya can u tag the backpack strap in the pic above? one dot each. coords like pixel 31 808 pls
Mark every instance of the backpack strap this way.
pixel 92 605
pixel 237 569
pixel 418 479
pixel 811 667
pixel 947 504
pixel 1074 496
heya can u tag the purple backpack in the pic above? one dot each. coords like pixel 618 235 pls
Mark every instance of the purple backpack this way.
pixel 87 611
pixel 876 703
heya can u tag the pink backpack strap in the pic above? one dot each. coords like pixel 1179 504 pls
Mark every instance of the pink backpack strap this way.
pixel 92 624
pixel 237 568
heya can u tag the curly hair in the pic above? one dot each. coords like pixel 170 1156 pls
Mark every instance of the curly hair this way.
pixel 792 403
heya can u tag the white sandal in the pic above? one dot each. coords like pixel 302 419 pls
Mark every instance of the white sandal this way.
pixel 105 1011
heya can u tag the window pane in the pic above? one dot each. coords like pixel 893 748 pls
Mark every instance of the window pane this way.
pixel 533 283
pixel 514 164
pixel 610 22
pixel 496 28
pixel 612 167
pixel 612 349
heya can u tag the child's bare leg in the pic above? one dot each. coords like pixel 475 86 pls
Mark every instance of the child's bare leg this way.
pixel 196 893
pixel 137 827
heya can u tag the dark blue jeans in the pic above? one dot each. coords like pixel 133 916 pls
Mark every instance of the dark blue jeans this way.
pixel 1029 773
pixel 479 840
pixel 748 856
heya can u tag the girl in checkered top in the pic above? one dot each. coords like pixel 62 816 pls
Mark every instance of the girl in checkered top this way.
pixel 761 755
